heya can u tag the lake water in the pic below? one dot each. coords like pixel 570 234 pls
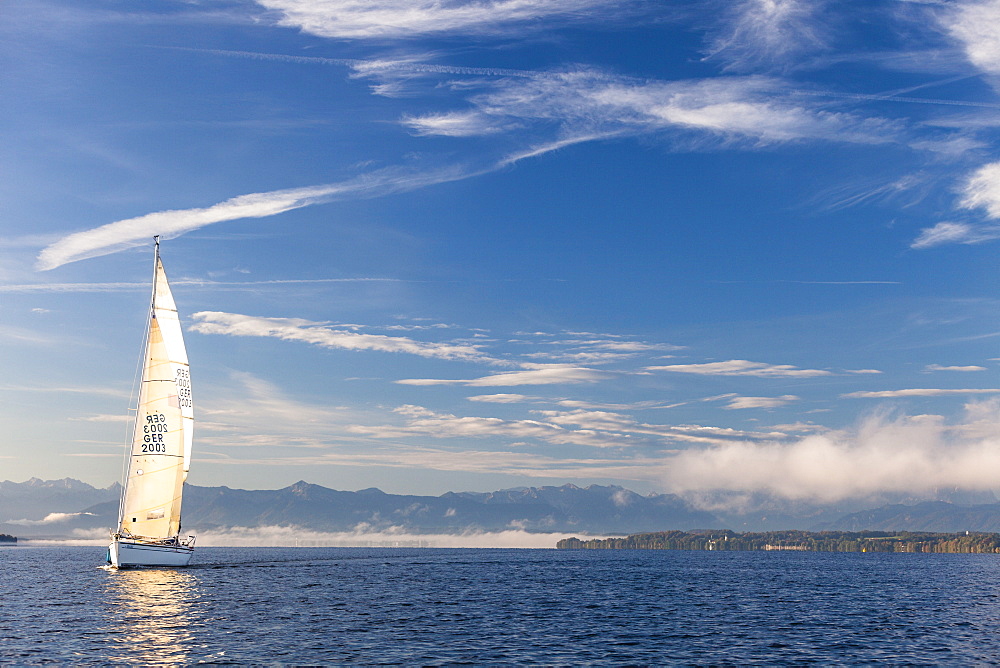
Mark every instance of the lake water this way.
pixel 437 606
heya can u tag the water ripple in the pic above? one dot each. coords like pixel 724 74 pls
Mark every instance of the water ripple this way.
pixel 433 607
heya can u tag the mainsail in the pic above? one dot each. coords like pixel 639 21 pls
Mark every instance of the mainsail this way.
pixel 164 423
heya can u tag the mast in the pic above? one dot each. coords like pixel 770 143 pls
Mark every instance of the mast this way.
pixel 156 265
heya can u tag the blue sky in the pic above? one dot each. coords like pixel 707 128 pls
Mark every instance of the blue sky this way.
pixel 701 247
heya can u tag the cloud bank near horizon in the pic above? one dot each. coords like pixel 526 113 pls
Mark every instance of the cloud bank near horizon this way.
pixel 917 454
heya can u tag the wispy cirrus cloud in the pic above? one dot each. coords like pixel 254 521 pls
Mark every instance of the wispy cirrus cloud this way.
pixel 955 233
pixel 458 124
pixel 611 422
pixel 742 368
pixel 533 374
pixel 424 422
pixel 740 403
pixel 502 398
pixel 762 32
pixel 939 367
pixel 915 392
pixel 327 336
pixel 132 232
pixel 600 429
pixel 586 350
pixel 378 19
pixel 576 404
pixel 589 104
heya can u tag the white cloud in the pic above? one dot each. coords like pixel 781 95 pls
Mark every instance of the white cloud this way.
pixel 907 454
pixel 915 392
pixel 168 224
pixel 737 403
pixel 132 232
pixel 292 329
pixel 637 406
pixel 420 421
pixel 955 233
pixel 595 351
pixel 611 423
pixel 103 418
pixel 501 398
pixel 741 368
pixel 535 374
pixel 763 31
pixel 982 189
pixel 938 367
pixel 549 146
pixel 453 124
pixel 975 23
pixel 51 518
pixel 600 429
pixel 80 389
pixel 366 19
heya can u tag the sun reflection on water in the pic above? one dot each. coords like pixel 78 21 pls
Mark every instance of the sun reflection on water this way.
pixel 152 615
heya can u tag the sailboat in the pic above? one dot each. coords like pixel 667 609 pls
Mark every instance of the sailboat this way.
pixel 159 454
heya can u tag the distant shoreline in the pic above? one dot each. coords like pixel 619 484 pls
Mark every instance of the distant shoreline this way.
pixel 800 541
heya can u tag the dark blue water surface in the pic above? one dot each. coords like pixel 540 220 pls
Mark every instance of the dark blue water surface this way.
pixel 437 606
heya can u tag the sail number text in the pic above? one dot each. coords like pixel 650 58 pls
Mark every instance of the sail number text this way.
pixel 183 380
pixel 152 434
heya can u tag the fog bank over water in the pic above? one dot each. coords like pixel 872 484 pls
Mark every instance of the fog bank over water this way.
pixel 275 536
pixel 291 537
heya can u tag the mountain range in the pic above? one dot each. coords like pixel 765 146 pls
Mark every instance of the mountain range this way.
pixel 70 508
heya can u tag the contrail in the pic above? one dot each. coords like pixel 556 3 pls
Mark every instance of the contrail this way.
pixel 898 98
pixel 365 65
pixel 115 287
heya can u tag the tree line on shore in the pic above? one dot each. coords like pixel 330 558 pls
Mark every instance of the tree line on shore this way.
pixel 7 538
pixel 806 541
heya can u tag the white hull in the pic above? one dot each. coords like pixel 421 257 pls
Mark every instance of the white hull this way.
pixel 126 553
